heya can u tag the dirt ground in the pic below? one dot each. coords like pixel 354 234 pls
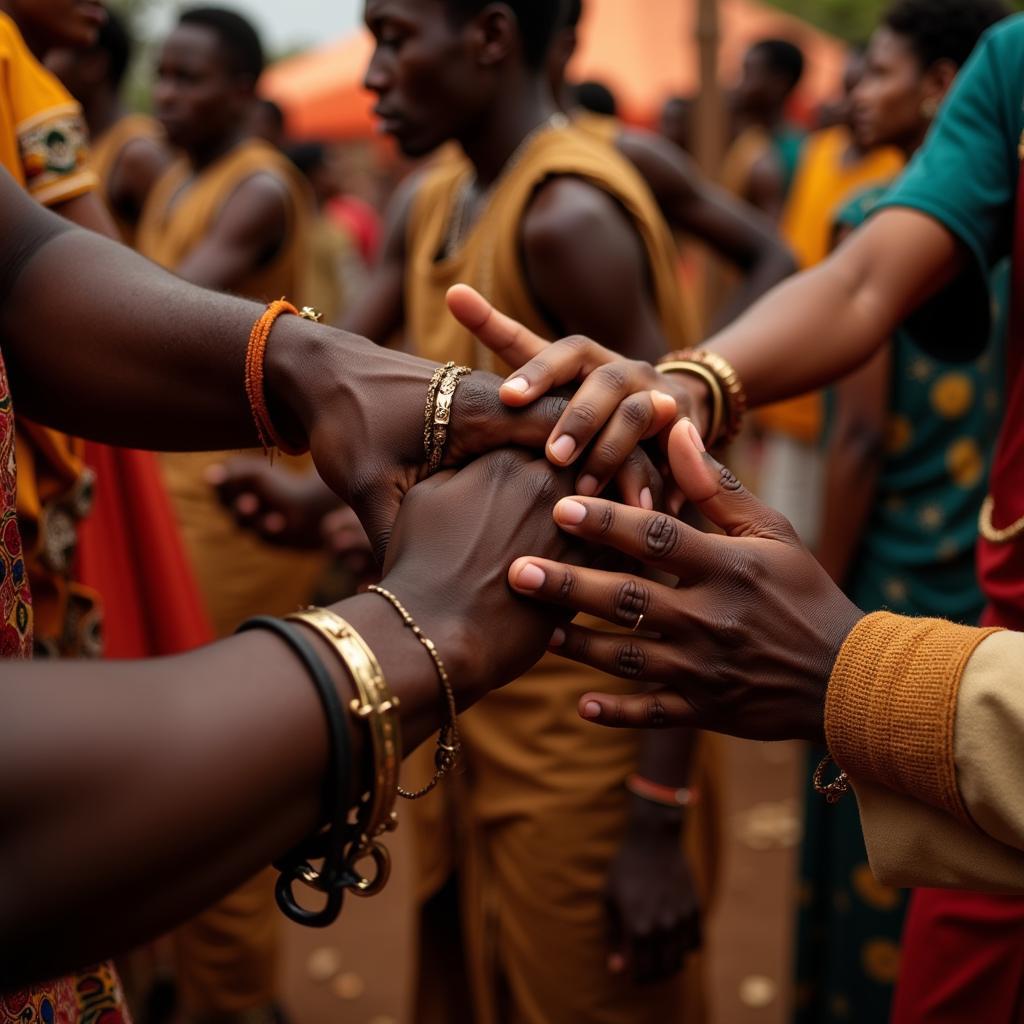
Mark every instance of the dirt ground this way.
pixel 358 972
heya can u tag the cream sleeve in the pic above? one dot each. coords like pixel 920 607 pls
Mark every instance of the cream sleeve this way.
pixel 928 719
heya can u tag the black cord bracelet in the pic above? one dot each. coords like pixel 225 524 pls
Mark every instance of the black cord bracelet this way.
pixel 332 844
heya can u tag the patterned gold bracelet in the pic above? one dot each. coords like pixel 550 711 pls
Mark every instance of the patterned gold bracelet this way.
pixel 443 413
pixel 735 395
pixel 428 411
pixel 449 744
pixel 377 707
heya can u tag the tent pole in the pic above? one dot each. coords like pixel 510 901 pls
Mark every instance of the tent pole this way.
pixel 710 111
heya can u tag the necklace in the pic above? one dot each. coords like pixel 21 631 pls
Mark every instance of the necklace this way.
pixel 459 225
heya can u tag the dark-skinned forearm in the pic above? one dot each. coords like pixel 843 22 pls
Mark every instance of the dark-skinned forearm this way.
pixel 129 354
pixel 198 772
pixel 825 322
pixel 666 757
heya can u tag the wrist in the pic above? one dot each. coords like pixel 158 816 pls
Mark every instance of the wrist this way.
pixel 299 374
pixel 693 396
pixel 655 820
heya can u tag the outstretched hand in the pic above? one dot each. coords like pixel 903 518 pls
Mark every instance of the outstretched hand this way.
pixel 619 402
pixel 746 642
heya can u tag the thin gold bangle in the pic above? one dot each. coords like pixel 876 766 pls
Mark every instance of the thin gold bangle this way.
pixel 449 744
pixel 688 366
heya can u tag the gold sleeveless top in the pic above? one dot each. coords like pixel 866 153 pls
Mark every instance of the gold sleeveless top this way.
pixel 237 573
pixel 182 210
pixel 105 152
pixel 490 259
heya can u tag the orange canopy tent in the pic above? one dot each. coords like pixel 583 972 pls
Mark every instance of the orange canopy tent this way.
pixel 643 52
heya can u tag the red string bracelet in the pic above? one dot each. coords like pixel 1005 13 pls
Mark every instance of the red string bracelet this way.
pixel 665 796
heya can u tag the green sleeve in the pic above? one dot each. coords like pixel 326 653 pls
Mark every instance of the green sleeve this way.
pixel 965 175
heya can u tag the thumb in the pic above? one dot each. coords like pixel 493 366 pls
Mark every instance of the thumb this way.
pixel 513 343
pixel 720 496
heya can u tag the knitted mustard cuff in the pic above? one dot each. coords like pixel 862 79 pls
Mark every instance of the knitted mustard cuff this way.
pixel 891 705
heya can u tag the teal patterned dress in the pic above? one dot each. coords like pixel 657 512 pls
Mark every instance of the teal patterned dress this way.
pixel 916 557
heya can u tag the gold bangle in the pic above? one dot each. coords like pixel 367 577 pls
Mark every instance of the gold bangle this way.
pixel 428 412
pixel 688 366
pixel 835 790
pixel 992 533
pixel 377 707
pixel 735 394
pixel 449 744
pixel 443 413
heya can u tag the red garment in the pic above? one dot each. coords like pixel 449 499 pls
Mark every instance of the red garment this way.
pixel 963 960
pixel 963 953
pixel 130 550
pixel 361 221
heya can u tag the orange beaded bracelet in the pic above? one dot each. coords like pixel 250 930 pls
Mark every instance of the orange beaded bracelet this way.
pixel 255 357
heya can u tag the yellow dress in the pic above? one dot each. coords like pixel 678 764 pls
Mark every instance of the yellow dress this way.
pixel 535 819
pixel 824 183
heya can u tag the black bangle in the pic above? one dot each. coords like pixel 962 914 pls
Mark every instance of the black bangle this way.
pixel 332 843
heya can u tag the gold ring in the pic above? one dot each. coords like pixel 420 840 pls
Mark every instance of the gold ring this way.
pixel 639 622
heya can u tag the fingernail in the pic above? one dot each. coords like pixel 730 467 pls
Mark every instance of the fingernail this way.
pixel 530 577
pixel 520 385
pixel 274 523
pixel 591 710
pixel 563 449
pixel 662 394
pixel 647 499
pixel 570 513
pixel 247 504
pixel 215 475
pixel 698 441
pixel 616 963
pixel 557 638
pixel 588 485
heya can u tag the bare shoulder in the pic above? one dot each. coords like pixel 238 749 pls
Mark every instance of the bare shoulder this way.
pixel 568 213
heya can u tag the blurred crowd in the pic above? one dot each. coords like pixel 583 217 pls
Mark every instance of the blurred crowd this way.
pixel 560 878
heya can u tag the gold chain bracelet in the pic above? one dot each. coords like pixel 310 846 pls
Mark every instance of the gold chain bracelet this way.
pixel 449 745
pixel 835 790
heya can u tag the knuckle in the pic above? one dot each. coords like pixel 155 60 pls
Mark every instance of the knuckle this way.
pixel 632 600
pixel 608 453
pixel 567 585
pixel 631 663
pixel 636 413
pixel 506 462
pixel 576 342
pixel 613 376
pixel 478 401
pixel 584 414
pixel 654 712
pixel 607 520
pixel 661 536
pixel 543 484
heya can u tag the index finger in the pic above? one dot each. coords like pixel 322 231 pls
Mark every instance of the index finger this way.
pixel 505 337
pixel 654 538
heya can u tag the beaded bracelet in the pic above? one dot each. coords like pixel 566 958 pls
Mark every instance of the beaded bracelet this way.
pixel 255 358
